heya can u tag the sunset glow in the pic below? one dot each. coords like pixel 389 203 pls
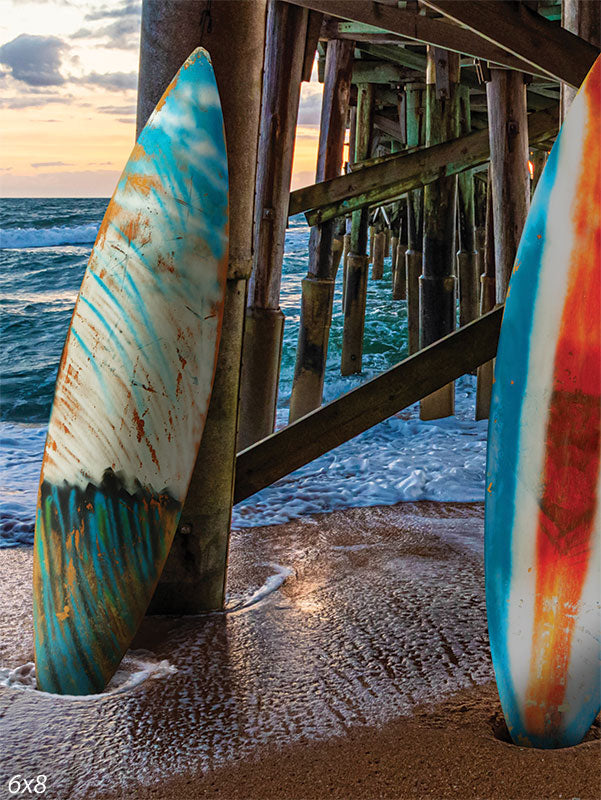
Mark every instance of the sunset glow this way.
pixel 68 77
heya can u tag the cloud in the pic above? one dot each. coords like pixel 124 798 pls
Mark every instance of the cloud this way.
pixel 38 164
pixel 123 34
pixel 35 60
pixel 126 9
pixel 129 108
pixel 127 120
pixel 309 108
pixel 115 81
pixel 307 132
pixel 32 101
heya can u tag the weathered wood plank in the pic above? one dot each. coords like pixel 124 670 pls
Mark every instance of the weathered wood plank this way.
pixel 381 72
pixel 337 422
pixel 387 181
pixel 526 34
pixel 439 32
pixel 314 24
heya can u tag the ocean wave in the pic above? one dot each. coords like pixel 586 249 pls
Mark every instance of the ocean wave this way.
pixel 17 238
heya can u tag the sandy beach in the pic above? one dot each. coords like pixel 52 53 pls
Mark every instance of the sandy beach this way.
pixel 363 673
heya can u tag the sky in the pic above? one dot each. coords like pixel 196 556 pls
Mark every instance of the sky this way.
pixel 68 78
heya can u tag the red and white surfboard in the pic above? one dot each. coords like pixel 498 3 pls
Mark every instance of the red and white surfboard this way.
pixel 543 484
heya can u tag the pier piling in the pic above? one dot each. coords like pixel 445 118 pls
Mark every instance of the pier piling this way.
pixel 487 302
pixel 233 31
pixel 416 136
pixel 286 33
pixel 357 263
pixel 318 286
pixel 377 270
pixel 508 133
pixel 467 257
pixel 437 283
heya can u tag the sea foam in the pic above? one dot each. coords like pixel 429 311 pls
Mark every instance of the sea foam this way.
pixel 22 238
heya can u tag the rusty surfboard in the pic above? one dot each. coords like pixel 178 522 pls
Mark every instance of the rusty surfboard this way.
pixel 133 390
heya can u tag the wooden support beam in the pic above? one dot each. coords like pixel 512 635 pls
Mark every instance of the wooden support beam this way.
pixel 415 61
pixel 283 66
pixel 390 127
pixel 314 24
pixel 376 400
pixel 193 580
pixel 388 181
pixel 508 132
pixel 397 54
pixel 582 18
pixel 333 28
pixel 467 266
pixel 357 262
pixel 487 302
pixel 523 32
pixel 381 72
pixel 398 218
pixel 416 136
pixel 437 283
pixel 414 26
pixel 318 286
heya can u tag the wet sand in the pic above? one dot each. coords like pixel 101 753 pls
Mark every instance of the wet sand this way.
pixel 366 674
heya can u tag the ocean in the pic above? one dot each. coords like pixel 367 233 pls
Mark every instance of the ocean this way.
pixel 44 248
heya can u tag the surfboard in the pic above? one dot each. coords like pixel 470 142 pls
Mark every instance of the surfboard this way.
pixel 542 521
pixel 133 390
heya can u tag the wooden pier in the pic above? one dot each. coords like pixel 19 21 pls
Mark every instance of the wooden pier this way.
pixel 443 104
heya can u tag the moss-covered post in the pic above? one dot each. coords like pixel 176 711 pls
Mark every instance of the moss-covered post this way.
pixel 487 303
pixel 318 286
pixel 233 32
pixel 416 136
pixel 357 262
pixel 467 258
pixel 261 354
pixel 437 287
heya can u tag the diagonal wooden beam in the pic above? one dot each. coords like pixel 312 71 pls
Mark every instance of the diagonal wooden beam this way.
pixel 520 30
pixel 400 55
pixel 389 180
pixel 421 29
pixel 388 126
pixel 337 422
